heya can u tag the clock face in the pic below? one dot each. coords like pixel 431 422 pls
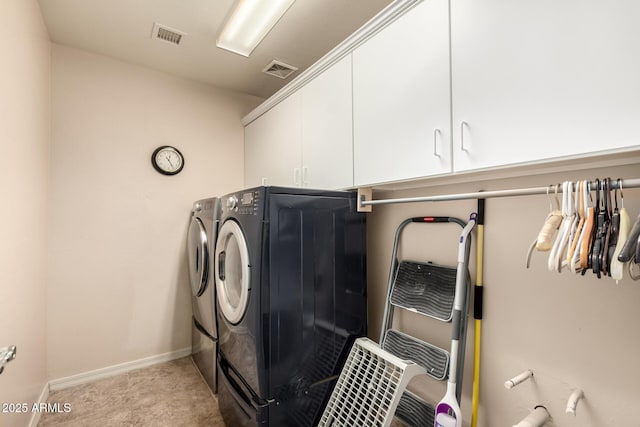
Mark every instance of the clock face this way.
pixel 167 160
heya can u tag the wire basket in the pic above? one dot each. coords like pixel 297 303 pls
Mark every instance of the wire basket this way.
pixel 369 388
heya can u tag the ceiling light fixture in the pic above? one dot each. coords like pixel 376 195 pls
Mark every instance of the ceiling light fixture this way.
pixel 249 23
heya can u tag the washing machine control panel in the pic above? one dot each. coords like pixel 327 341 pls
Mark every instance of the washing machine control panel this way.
pixel 249 203
pixel 243 203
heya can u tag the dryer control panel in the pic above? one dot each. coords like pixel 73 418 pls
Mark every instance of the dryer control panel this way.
pixel 245 203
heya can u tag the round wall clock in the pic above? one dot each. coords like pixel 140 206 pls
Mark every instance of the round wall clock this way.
pixel 167 160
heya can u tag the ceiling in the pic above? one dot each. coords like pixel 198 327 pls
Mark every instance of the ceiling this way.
pixel 122 29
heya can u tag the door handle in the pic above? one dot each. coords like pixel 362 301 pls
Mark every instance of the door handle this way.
pixel 221 258
pixel 435 142
pixel 296 177
pixel 7 354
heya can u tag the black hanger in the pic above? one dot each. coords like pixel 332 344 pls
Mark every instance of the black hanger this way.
pixel 596 247
pixel 591 236
pixel 606 196
pixel 615 228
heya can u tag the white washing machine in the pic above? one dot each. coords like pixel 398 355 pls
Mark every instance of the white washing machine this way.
pixel 201 240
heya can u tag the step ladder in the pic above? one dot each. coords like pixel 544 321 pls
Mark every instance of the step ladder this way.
pixel 371 388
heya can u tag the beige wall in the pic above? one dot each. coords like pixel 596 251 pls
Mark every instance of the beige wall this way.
pixel 25 74
pixel 118 280
pixel 572 331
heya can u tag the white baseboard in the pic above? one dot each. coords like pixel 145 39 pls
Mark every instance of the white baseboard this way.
pixel 35 415
pixel 110 371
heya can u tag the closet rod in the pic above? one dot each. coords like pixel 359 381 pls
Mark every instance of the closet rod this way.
pixel 626 183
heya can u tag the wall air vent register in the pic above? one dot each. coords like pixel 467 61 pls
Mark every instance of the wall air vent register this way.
pixel 166 34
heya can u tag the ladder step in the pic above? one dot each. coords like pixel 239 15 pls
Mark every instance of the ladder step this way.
pixel 433 359
pixel 426 288
pixel 413 411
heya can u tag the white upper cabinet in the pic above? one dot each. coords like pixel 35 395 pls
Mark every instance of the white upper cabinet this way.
pixel 272 149
pixel 327 147
pixel 306 139
pixel 401 98
pixel 537 80
pixel 456 86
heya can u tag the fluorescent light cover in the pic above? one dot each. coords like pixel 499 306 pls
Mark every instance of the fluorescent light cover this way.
pixel 249 22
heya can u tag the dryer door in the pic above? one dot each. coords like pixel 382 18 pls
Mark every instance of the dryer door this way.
pixel 232 272
pixel 198 253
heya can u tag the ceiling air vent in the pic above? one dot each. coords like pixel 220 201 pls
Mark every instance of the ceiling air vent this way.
pixel 169 35
pixel 279 69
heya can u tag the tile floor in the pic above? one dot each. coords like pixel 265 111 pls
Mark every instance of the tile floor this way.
pixel 170 394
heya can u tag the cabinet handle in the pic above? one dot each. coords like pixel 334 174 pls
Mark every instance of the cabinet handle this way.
pixel 462 125
pixel 296 177
pixel 435 142
pixel 305 176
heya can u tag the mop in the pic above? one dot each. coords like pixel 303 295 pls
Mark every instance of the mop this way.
pixel 477 313
pixel 448 413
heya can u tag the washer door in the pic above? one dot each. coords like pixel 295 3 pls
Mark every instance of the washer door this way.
pixel 232 272
pixel 198 253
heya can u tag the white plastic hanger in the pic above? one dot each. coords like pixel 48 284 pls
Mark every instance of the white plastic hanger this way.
pixel 574 264
pixel 544 241
pixel 558 251
pixel 574 232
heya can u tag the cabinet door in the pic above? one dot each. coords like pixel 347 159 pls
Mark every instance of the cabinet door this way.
pixel 401 98
pixel 272 146
pixel 327 144
pixel 543 79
